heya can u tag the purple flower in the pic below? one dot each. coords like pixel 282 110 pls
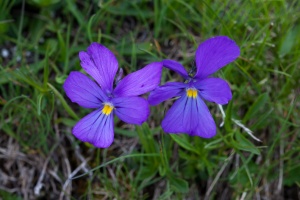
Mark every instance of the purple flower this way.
pixel 189 114
pixel 99 62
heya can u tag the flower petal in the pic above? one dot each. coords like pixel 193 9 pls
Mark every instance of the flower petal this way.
pixel 175 66
pixel 101 64
pixel 214 90
pixel 140 82
pixel 132 110
pixel 165 92
pixel 191 116
pixel 95 128
pixel 214 54
pixel 82 90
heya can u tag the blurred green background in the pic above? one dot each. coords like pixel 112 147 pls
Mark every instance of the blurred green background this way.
pixel 39 45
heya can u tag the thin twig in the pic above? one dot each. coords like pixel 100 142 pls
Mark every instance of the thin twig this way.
pixel 218 175
pixel 68 187
pixel 247 130
pixel 223 115
pixel 69 179
pixel 237 122
pixel 281 152
pixel 243 195
pixel 39 184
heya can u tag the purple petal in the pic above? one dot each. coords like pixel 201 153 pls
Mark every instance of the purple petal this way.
pixel 132 110
pixel 214 90
pixel 165 92
pixel 191 116
pixel 175 66
pixel 101 64
pixel 140 82
pixel 214 54
pixel 95 128
pixel 82 90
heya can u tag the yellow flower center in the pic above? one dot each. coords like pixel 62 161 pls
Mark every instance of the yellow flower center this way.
pixel 107 109
pixel 191 93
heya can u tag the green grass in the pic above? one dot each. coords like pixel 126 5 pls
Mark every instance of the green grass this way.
pixel 44 37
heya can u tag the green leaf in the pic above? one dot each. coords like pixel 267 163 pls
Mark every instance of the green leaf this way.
pixel 60 79
pixel 214 144
pixel 39 103
pixel 127 133
pixel 67 121
pixel 63 102
pixel 146 172
pixel 89 28
pixel 178 184
pixel 9 196
pixel 148 144
pixel 261 121
pixel 182 141
pixel 43 3
pixel 292 177
pixel 72 7
pixel 244 144
pixel 228 114
pixel 146 138
pixel 129 48
pixel 46 70
pixel 288 41
pixel 256 106
pixel 118 159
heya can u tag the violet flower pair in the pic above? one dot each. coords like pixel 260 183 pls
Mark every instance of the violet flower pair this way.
pixel 189 114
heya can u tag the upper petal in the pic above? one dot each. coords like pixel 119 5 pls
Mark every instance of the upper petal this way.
pixel 140 82
pixel 165 92
pixel 214 54
pixel 82 90
pixel 191 116
pixel 101 64
pixel 175 66
pixel 95 128
pixel 214 90
pixel 132 110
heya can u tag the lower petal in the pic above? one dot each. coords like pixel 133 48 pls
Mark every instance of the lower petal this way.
pixel 214 90
pixel 95 128
pixel 174 121
pixel 132 110
pixel 204 124
pixel 165 92
pixel 191 116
